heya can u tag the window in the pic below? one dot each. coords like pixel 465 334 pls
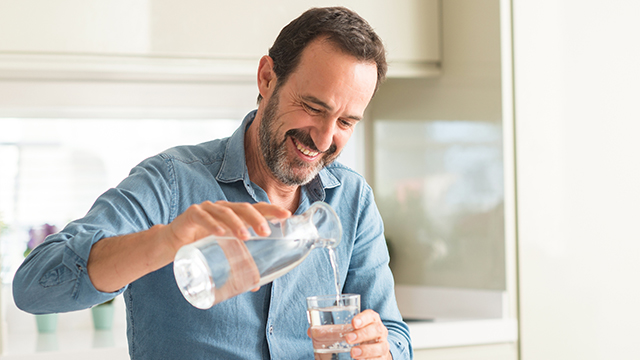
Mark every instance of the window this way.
pixel 53 169
pixel 439 186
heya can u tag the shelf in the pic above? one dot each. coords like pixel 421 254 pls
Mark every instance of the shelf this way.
pixel 462 332
pixel 95 67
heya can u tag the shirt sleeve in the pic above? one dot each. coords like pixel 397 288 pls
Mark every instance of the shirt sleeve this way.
pixel 370 276
pixel 53 278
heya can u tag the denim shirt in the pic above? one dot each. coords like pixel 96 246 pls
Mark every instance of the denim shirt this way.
pixel 269 323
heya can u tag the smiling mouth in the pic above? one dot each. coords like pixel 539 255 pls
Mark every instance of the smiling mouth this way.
pixel 304 150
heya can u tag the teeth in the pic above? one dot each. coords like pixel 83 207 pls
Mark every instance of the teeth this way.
pixel 304 150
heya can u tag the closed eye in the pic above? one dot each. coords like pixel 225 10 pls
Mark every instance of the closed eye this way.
pixel 311 109
pixel 346 123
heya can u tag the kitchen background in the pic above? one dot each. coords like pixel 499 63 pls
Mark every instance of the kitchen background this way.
pixel 501 150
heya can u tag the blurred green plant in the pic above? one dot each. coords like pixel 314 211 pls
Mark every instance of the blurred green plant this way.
pixel 3 226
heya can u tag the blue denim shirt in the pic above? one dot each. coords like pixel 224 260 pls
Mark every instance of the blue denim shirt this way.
pixel 269 323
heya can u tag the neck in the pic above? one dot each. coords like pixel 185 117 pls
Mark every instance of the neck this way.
pixel 279 194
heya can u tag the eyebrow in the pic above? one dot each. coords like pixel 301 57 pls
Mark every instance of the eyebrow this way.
pixel 323 104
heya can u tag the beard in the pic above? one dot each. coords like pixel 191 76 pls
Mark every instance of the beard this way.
pixel 289 171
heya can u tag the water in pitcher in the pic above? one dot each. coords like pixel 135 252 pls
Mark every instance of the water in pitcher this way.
pixel 209 274
pixel 216 268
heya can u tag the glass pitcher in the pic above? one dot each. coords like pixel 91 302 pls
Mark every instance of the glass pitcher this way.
pixel 216 268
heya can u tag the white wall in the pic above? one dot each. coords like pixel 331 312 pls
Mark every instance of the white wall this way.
pixel 577 124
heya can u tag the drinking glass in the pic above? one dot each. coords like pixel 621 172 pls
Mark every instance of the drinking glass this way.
pixel 330 320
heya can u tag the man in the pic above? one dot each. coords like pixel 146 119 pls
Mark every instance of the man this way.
pixel 314 86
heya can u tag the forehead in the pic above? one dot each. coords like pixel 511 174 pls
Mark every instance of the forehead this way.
pixel 330 74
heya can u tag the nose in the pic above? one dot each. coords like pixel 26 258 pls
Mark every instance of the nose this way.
pixel 323 133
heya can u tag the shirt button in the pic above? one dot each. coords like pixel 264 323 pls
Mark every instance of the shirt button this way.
pixel 270 329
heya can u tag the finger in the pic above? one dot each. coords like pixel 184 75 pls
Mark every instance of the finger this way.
pixel 226 214
pixel 330 332
pixel 197 214
pixel 368 327
pixel 270 211
pixel 267 212
pixel 256 215
pixel 365 318
pixel 326 336
pixel 374 332
pixel 377 350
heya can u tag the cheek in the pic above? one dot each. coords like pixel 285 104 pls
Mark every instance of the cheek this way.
pixel 341 140
pixel 296 120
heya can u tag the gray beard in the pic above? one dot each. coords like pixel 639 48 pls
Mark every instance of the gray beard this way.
pixel 275 152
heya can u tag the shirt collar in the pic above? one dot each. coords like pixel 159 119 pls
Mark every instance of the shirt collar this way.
pixel 234 164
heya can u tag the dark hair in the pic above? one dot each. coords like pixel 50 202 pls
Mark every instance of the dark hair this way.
pixel 344 28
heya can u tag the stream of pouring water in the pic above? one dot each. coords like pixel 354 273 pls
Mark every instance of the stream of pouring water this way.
pixel 334 265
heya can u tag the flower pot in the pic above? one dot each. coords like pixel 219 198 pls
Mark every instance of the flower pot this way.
pixel 102 316
pixel 47 323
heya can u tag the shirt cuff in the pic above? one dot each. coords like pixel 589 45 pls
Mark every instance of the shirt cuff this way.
pixel 76 256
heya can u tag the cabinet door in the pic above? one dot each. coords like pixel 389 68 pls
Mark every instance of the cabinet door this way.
pixel 246 29
pixel 240 30
pixel 75 26
pixel 482 352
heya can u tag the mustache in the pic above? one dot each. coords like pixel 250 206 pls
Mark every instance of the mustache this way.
pixel 305 139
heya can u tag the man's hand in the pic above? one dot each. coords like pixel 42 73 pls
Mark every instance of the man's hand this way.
pixel 221 218
pixel 117 261
pixel 371 334
pixel 366 329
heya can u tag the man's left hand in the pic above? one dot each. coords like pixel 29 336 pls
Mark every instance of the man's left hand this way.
pixel 371 334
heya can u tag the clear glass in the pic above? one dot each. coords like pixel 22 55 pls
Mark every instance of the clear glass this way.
pixel 330 319
pixel 214 269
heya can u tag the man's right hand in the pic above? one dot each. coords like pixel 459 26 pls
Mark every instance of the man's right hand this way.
pixel 222 218
pixel 117 261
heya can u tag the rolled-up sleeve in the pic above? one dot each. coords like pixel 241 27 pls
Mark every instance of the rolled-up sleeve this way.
pixel 53 278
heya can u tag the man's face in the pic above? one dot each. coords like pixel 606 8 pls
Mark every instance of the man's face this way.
pixel 308 119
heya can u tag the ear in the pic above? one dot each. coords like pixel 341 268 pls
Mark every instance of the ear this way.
pixel 266 76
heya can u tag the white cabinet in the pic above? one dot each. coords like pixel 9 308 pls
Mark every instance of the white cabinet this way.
pixel 578 175
pixel 246 29
pixel 482 352
pixel 195 39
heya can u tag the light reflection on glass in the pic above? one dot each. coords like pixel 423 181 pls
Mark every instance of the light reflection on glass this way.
pixel 439 187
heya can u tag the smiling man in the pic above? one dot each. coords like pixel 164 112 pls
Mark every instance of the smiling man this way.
pixel 314 86
pixel 308 119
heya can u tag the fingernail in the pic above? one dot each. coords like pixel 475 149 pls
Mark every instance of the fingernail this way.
pixel 356 351
pixel 357 323
pixel 265 229
pixel 351 337
pixel 243 233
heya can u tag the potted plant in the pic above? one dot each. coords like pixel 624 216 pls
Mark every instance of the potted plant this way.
pixel 46 323
pixel 102 315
